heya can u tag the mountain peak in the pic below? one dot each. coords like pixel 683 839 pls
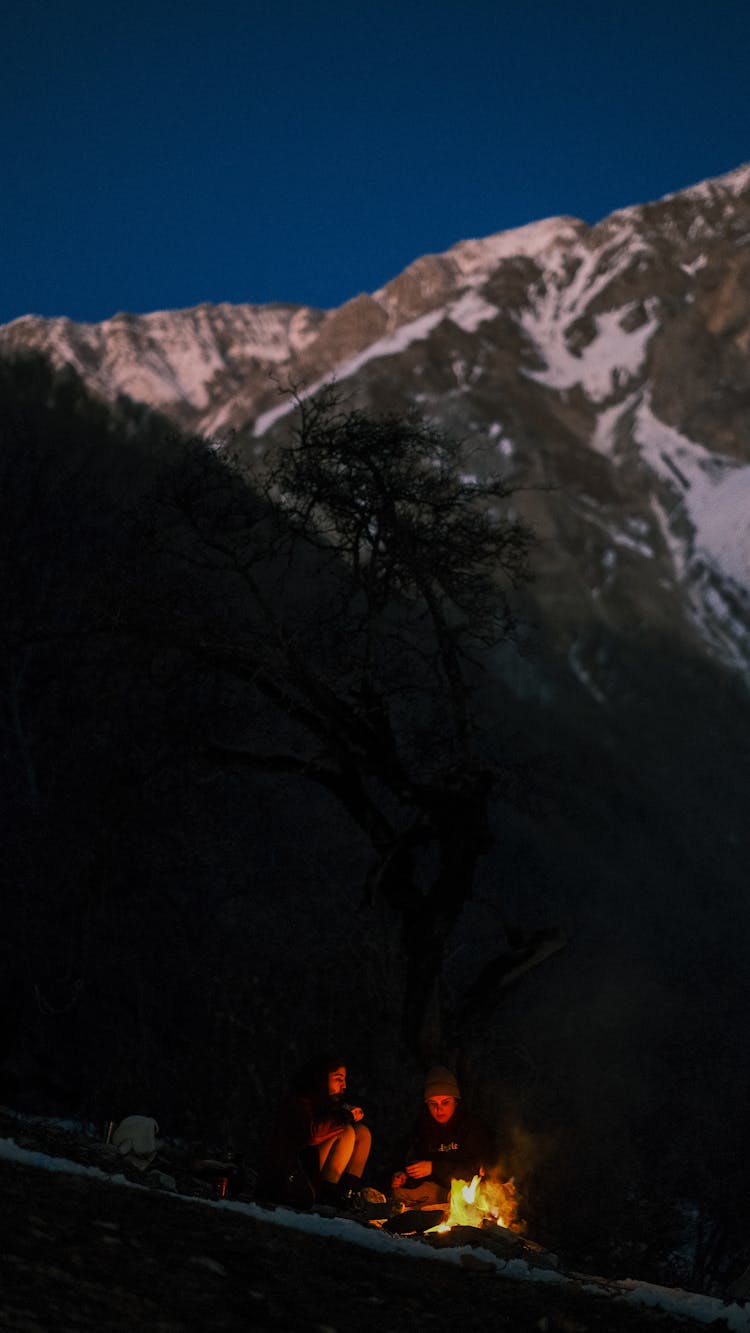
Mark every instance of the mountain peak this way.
pixel 610 360
pixel 731 182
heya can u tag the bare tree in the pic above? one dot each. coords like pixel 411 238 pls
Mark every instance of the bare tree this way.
pixel 367 594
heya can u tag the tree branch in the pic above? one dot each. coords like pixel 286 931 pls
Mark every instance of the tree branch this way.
pixel 503 971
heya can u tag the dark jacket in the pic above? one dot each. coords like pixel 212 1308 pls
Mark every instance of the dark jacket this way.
pixel 456 1149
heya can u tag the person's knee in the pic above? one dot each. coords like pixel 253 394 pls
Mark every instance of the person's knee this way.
pixel 345 1141
pixel 363 1137
pixel 422 1194
pixel 360 1150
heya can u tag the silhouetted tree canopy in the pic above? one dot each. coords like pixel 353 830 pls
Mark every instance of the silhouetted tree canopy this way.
pixel 361 599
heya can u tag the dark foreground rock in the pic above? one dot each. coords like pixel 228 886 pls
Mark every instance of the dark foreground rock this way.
pixel 83 1254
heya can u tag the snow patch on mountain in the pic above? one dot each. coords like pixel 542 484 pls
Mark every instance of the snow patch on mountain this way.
pixel 732 182
pixel 168 357
pixel 705 525
pixel 475 259
pixel 544 325
pixel 581 671
pixel 390 345
pixel 468 312
pixel 712 492
pixel 612 358
pixel 605 434
pixel 573 278
pixel 695 266
pixel 701 507
pixel 178 366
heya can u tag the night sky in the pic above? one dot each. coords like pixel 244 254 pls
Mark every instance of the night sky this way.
pixel 156 155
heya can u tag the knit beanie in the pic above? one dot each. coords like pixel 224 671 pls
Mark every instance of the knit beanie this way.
pixel 440 1082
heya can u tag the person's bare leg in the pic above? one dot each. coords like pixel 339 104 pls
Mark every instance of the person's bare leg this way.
pixel 361 1151
pixel 335 1154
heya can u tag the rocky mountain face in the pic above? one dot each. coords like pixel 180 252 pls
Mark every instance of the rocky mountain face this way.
pixel 604 369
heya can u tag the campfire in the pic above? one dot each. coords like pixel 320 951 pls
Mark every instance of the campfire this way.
pixel 479 1202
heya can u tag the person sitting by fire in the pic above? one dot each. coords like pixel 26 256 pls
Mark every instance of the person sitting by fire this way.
pixel 320 1145
pixel 447 1143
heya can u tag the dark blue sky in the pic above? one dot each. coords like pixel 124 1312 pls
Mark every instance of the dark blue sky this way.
pixel 155 155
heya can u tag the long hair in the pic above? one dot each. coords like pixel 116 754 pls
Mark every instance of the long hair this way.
pixel 312 1079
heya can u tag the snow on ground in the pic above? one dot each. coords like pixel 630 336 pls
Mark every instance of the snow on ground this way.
pixel 10 1152
pixel 685 1304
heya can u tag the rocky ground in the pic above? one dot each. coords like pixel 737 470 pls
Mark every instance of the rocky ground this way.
pixel 81 1254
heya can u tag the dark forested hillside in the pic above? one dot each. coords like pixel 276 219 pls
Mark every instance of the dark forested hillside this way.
pixel 180 932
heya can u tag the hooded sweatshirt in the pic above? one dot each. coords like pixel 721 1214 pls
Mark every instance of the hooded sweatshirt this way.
pixel 456 1149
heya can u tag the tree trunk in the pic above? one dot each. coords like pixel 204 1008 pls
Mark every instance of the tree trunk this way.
pixel 429 919
pixel 422 1019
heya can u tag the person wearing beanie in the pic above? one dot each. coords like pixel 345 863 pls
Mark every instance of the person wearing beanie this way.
pixel 440 1082
pixel 447 1143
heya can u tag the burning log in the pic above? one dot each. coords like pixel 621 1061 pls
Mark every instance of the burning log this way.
pixel 482 1213
pixel 415 1221
pixel 472 1202
pixel 483 1200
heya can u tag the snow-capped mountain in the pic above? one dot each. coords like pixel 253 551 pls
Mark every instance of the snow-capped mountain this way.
pixel 606 368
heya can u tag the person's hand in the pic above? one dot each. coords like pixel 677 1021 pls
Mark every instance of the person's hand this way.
pixel 419 1169
pixel 398 1179
pixel 356 1113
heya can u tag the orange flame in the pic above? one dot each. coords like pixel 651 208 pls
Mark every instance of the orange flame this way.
pixel 481 1199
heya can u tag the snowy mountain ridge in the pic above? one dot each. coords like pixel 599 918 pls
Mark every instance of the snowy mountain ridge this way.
pixel 186 359
pixel 610 363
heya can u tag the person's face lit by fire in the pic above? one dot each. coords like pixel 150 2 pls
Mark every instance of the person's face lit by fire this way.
pixel 441 1108
pixel 337 1081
